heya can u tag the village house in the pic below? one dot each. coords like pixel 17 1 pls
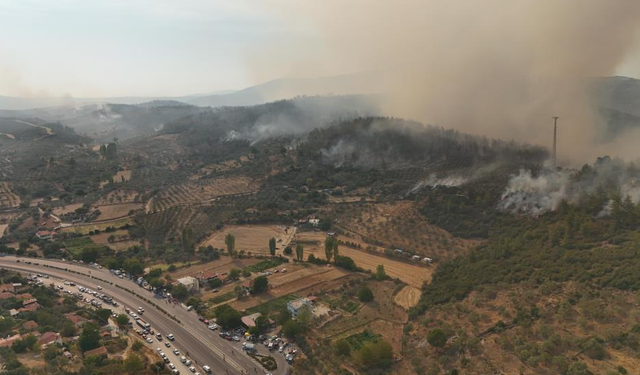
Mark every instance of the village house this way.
pixel 191 283
pixel 45 235
pixel 30 308
pixel 297 305
pixel 6 343
pixel 7 288
pixel 76 319
pixel 6 295
pixel 30 325
pixel 48 338
pixel 315 222
pixel 207 275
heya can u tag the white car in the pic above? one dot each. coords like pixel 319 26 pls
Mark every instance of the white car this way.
pixel 188 362
pixel 176 352
pixel 149 340
pixel 159 350
pixel 172 366
pixel 170 337
pixel 192 369
pixel 213 327
pixel 99 287
pixel 167 344
pixel 206 369
pixel 183 359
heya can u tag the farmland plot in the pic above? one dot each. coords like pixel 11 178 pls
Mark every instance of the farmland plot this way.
pixel 253 238
pixel 201 191
pixel 114 211
pixel 413 275
pixel 7 198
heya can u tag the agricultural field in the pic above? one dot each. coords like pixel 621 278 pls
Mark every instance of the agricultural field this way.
pixel 66 209
pixel 414 275
pixel 118 196
pixel 222 265
pixel 198 192
pixel 408 297
pixel 114 211
pixel 399 225
pixel 253 238
pixel 7 198
pixel 121 242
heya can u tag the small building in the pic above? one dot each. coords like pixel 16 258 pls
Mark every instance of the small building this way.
pixel 427 260
pixel 30 325
pixel 6 295
pixel 191 283
pixel 314 222
pixel 76 319
pixel 24 296
pixel 13 312
pixel 7 288
pixel 250 320
pixel 28 302
pixel 30 308
pixel 416 257
pixel 48 338
pixel 207 275
pixel 6 343
pixel 45 235
pixel 297 305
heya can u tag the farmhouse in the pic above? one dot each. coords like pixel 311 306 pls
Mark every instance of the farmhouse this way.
pixel 296 306
pixel 5 343
pixel 207 275
pixel 191 283
pixel 30 325
pixel 314 222
pixel 100 352
pixel 48 338
pixel 45 235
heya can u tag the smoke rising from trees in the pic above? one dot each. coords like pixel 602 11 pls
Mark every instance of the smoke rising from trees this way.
pixel 490 67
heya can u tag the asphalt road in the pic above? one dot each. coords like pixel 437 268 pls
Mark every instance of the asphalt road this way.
pixel 192 337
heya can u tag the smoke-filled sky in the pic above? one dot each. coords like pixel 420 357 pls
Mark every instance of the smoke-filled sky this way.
pixel 495 67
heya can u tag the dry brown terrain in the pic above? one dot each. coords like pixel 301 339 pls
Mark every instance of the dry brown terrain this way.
pixel 114 211
pixel 413 275
pixel 221 265
pixel 407 297
pixel 399 225
pixel 122 241
pixel 3 228
pixel 253 238
pixel 7 198
pixel 120 176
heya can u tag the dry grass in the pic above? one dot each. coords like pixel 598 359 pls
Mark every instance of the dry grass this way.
pixel 120 176
pixel 114 211
pixel 253 238
pixel 66 209
pixel 118 196
pixel 407 297
pixel 410 274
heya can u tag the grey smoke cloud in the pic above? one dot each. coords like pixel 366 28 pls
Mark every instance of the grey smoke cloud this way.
pixel 491 67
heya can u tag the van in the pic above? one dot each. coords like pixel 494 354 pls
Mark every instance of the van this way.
pixel 207 369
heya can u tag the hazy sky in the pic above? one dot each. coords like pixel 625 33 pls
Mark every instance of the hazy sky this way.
pixel 156 47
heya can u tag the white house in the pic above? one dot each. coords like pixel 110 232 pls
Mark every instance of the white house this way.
pixel 297 305
pixel 191 283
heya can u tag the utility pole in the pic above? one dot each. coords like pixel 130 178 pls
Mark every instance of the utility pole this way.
pixel 555 135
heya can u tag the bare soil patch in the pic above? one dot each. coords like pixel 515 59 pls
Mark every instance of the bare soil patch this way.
pixel 114 211
pixel 66 209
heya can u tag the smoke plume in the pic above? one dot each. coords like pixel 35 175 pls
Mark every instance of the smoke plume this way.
pixel 490 67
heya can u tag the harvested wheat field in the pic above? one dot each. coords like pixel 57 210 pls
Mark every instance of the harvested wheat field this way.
pixel 114 211
pixel 407 297
pixel 117 196
pixel 413 275
pixel 253 238
pixel 7 198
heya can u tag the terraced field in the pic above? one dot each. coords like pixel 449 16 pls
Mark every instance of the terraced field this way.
pixel 201 191
pixel 7 198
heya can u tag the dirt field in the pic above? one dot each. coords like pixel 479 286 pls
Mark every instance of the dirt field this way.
pixel 408 273
pixel 114 211
pixel 121 243
pixel 253 238
pixel 399 225
pixel 3 228
pixel 407 297
pixel 66 209
pixel 7 198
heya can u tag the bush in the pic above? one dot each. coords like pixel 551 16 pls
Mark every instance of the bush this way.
pixel 342 347
pixel 365 294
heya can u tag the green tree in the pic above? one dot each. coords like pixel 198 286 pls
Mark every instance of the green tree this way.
pixel 68 329
pixel 329 247
pixel 122 320
pixel 376 355
pixel 288 251
pixel 90 337
pixel 299 252
pixel 234 273
pixel 291 329
pixel 133 364
pixel 437 338
pixel 260 285
pixel 342 347
pixel 272 246
pixel 214 283
pixel 365 294
pixel 187 239
pixel 133 266
pixel 228 317
pixel 180 292
pixel 381 274
pixel 246 272
pixel 230 241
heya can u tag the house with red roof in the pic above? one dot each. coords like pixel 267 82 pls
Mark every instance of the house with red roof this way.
pixel 100 352
pixel 30 308
pixel 48 338
pixel 6 295
pixel 6 343
pixel 30 325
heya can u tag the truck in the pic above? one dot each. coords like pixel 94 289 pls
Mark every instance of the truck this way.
pixel 143 324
